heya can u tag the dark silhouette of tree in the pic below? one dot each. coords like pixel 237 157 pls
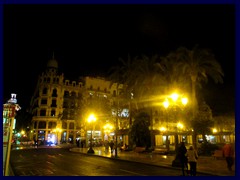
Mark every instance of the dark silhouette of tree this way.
pixel 203 121
pixel 140 133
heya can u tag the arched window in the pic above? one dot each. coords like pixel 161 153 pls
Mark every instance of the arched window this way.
pixel 54 93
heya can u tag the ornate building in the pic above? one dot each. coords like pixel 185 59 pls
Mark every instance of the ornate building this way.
pixel 60 106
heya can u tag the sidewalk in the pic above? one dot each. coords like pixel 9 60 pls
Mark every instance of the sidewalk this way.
pixel 207 165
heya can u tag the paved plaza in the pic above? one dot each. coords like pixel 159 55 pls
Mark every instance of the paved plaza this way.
pixel 206 164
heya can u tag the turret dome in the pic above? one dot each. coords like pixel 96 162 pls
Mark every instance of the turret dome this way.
pixel 52 63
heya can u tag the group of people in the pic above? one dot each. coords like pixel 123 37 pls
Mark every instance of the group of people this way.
pixel 190 157
pixel 186 157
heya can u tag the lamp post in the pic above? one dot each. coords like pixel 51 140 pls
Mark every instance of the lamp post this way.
pixel 175 101
pixel 166 105
pixel 91 120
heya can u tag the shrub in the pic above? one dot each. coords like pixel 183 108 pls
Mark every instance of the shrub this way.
pixel 207 149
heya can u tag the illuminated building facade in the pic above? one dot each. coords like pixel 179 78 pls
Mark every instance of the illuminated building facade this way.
pixel 60 106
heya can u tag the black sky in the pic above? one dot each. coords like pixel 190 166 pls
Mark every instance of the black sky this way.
pixel 90 38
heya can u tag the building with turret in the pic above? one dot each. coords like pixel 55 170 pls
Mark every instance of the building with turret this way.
pixel 59 106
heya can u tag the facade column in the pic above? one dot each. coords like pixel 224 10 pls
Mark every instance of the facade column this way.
pixel 74 133
pixel 67 131
pixel 46 131
pixel 36 130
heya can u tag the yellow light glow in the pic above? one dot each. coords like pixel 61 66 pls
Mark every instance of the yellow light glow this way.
pixel 184 101
pixel 91 118
pixel 179 125
pixel 57 130
pixel 214 130
pixel 174 96
pixel 166 103
pixel 22 132
pixel 108 127
pixel 162 129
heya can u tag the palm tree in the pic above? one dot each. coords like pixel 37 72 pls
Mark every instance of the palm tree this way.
pixel 196 66
pixel 142 77
pixel 192 67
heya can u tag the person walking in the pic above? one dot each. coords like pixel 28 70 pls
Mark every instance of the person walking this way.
pixel 228 153
pixel 182 150
pixel 192 160
pixel 111 146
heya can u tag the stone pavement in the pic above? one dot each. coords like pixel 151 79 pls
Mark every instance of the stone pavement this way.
pixel 207 165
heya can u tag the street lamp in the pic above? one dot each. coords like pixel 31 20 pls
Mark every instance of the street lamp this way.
pixel 166 105
pixel 91 120
pixel 173 100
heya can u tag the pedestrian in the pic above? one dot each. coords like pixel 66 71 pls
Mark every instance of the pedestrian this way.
pixel 78 142
pixel 111 146
pixel 228 153
pixel 36 143
pixel 192 160
pixel 181 154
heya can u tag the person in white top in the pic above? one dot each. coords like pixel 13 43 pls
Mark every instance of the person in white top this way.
pixel 192 160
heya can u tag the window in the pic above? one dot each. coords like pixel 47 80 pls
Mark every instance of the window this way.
pixel 45 91
pixel 73 94
pixel 66 94
pixel 54 93
pixel 43 101
pixel 53 113
pixel 42 125
pixel 54 103
pixel 64 125
pixel 52 125
pixel 71 125
pixel 43 112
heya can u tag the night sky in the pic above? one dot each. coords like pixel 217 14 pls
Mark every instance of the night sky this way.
pixel 88 39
